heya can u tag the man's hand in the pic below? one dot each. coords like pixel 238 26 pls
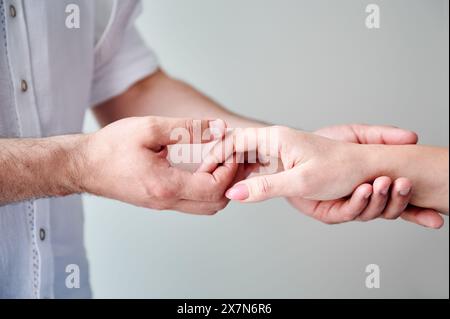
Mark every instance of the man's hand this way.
pixel 126 160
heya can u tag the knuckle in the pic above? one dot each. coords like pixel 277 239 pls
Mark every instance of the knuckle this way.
pixel 189 125
pixel 152 123
pixel 262 186
pixel 149 193
pixel 392 216
pixel 349 215
pixel 164 192
pixel 152 126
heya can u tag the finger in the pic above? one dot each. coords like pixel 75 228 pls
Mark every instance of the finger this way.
pixel 200 208
pixel 219 153
pixel 225 174
pixel 351 208
pixel 400 196
pixel 263 187
pixel 164 131
pixel 372 134
pixel 378 199
pixel 423 217
pixel 258 142
pixel 244 170
pixel 200 186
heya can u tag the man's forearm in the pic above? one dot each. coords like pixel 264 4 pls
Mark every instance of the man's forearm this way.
pixel 425 166
pixel 41 167
pixel 161 95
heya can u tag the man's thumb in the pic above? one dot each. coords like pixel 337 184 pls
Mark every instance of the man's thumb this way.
pixel 166 131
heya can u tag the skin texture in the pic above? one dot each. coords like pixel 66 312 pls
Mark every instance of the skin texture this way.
pixel 380 203
pixel 33 168
pixel 135 170
pixel 126 161
pixel 317 171
pixel 162 95
pixel 57 166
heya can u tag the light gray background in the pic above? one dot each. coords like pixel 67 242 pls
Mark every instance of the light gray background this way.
pixel 306 64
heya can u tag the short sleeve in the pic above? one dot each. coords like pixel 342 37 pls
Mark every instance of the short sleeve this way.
pixel 121 56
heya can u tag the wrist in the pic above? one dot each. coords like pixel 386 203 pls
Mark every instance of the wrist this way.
pixel 72 162
pixel 376 161
pixel 369 160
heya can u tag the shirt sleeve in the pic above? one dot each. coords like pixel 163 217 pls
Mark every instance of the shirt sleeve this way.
pixel 121 56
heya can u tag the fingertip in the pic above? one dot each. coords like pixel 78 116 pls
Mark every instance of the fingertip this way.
pixel 413 138
pixel 400 136
pixel 217 128
pixel 237 192
pixel 358 201
pixel 381 185
pixel 431 219
pixel 408 137
pixel 364 191
pixel 403 186
pixel 437 223
pixel 424 217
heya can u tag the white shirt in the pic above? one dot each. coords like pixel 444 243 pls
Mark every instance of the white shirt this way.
pixel 49 76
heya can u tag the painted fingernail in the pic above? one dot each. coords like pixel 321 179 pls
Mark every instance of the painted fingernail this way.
pixel 237 192
pixel 404 192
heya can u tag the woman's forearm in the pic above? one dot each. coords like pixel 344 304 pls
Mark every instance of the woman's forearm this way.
pixel 426 166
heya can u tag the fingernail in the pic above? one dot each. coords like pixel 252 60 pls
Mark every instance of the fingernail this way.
pixel 237 192
pixel 217 128
pixel 404 192
pixel 426 221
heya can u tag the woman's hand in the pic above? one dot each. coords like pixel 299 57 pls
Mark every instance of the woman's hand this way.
pixel 314 167
pixel 317 174
pixel 388 199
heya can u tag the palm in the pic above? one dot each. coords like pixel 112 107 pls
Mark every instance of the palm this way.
pixel 329 211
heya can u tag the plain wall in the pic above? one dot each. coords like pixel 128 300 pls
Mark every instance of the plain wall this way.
pixel 306 64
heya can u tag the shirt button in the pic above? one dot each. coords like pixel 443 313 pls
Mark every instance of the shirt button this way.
pixel 12 11
pixel 24 86
pixel 42 234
